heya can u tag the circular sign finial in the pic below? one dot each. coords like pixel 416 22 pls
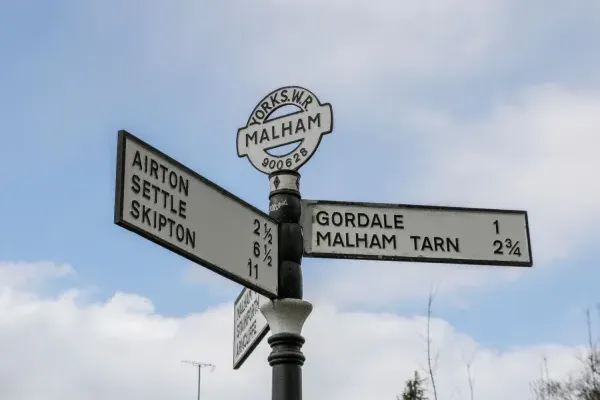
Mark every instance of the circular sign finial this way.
pixel 307 125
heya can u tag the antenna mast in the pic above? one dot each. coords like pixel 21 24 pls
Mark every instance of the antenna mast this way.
pixel 199 365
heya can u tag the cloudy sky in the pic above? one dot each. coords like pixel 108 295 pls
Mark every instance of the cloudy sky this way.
pixel 490 103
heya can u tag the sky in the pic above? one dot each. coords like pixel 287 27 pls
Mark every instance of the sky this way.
pixel 457 102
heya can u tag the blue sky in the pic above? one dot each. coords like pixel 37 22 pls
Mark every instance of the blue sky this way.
pixel 184 77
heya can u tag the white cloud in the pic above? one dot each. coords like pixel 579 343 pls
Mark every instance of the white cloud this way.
pixel 377 46
pixel 19 274
pixel 381 284
pixel 340 43
pixel 347 50
pixel 534 150
pixel 211 283
pixel 58 348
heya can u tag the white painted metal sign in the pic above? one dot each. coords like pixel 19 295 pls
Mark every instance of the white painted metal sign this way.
pixel 415 233
pixel 312 120
pixel 249 325
pixel 171 205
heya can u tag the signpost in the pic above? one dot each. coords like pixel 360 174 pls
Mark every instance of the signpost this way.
pixel 415 233
pixel 171 205
pixel 285 315
pixel 249 325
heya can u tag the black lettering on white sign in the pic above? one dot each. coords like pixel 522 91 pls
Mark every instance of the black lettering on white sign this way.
pixel 415 233
pixel 250 326
pixel 171 205
pixel 148 182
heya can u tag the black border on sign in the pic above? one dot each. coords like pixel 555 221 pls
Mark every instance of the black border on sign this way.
pixel 529 263
pixel 118 217
pixel 259 338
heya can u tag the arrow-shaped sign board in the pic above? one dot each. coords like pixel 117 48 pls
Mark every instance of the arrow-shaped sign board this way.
pixel 171 205
pixel 249 325
pixel 398 232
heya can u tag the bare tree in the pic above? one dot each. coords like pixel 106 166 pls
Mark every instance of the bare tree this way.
pixel 547 389
pixel 584 384
pixel 433 356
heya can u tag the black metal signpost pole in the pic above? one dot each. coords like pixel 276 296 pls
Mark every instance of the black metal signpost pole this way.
pixel 287 314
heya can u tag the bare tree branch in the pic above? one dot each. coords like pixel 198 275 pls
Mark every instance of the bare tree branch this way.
pixel 545 373
pixel 430 367
pixel 540 387
pixel 468 364
pixel 591 376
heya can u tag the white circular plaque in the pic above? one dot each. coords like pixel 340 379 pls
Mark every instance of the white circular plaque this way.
pixel 307 125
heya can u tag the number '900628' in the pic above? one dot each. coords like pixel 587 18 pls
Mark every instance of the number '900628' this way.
pixel 288 162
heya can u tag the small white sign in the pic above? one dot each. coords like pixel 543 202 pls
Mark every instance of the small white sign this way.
pixel 249 325
pixel 171 205
pixel 307 125
pixel 415 233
